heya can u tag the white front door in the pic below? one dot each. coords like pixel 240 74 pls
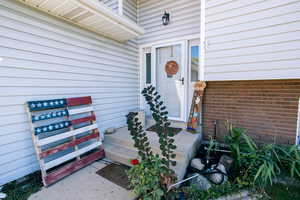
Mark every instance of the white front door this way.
pixel 171 87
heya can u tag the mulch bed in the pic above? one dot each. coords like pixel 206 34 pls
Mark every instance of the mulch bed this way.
pixel 116 174
pixel 170 129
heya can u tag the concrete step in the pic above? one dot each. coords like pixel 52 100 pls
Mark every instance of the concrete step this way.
pixel 123 155
pixel 119 147
pixel 134 152
pixel 119 153
pixel 180 156
pixel 184 141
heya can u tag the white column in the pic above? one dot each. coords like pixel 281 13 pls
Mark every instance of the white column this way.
pixel 202 42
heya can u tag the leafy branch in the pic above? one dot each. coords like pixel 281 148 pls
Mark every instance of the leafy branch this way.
pixel 160 115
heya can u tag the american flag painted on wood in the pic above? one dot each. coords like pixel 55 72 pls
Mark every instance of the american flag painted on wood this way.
pixel 65 136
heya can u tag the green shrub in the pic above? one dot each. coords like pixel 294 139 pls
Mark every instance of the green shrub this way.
pixel 152 176
pixel 214 192
pixel 259 165
pixel 145 179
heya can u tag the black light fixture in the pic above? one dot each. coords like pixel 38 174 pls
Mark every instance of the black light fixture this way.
pixel 166 18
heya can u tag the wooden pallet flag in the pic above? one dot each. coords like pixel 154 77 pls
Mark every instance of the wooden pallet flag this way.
pixel 194 115
pixel 65 136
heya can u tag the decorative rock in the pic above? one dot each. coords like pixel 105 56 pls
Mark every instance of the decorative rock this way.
pixel 227 162
pixel 197 163
pixel 218 177
pixel 110 130
pixel 200 182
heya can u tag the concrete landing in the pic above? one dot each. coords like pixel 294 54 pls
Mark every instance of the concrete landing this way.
pixel 84 184
pixel 119 146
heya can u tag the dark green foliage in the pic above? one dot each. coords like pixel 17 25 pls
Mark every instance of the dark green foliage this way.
pixel 152 176
pixel 141 141
pixel 145 179
pixel 21 191
pixel 259 165
pixel 160 115
pixel 214 192
pixel 283 192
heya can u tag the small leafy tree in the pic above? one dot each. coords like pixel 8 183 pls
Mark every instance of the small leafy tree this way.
pixel 152 176
pixel 160 115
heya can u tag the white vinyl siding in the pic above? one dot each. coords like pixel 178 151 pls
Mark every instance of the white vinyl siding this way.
pixel 249 40
pixel 42 57
pixel 184 19
pixel 130 9
pixel 113 4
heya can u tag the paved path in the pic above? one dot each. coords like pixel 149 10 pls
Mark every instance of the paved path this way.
pixel 84 185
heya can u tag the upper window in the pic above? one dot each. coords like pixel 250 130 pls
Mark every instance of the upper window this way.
pixel 194 62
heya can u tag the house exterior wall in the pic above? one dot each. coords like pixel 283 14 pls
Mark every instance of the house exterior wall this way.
pixel 113 4
pixel 130 9
pixel 252 40
pixel 42 57
pixel 184 19
pixel 267 109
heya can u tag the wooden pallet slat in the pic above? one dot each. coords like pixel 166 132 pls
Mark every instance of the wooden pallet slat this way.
pixel 80 110
pixel 67 145
pixel 50 127
pixel 65 135
pixel 79 101
pixel 68 169
pixel 70 156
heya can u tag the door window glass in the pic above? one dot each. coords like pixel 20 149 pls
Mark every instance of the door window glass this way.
pixel 194 63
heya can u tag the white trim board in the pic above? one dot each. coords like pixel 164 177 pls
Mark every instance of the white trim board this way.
pixel 173 40
pixel 201 75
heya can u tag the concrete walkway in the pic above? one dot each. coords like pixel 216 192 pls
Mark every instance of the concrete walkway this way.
pixel 84 185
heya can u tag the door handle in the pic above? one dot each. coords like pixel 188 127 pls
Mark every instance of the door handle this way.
pixel 182 80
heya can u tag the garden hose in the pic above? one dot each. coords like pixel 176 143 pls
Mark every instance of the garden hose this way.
pixel 212 170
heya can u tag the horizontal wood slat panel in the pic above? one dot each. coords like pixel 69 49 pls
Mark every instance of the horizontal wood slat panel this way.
pixel 67 145
pixel 80 110
pixel 84 119
pixel 69 169
pixel 70 156
pixel 66 134
pixel 79 101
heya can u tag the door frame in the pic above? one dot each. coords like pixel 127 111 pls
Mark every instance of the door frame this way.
pixel 184 63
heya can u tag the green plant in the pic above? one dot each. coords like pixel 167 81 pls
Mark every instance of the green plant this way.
pixel 139 136
pixel 145 179
pixel 21 191
pixel 238 141
pixel 259 165
pixel 290 160
pixel 212 146
pixel 160 115
pixel 151 177
pixel 216 191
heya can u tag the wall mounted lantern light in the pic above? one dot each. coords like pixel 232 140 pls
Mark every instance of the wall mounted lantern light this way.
pixel 166 18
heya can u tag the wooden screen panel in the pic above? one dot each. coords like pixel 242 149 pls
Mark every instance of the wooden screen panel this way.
pixel 58 133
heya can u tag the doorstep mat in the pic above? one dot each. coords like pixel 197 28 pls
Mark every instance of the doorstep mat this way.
pixel 115 173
